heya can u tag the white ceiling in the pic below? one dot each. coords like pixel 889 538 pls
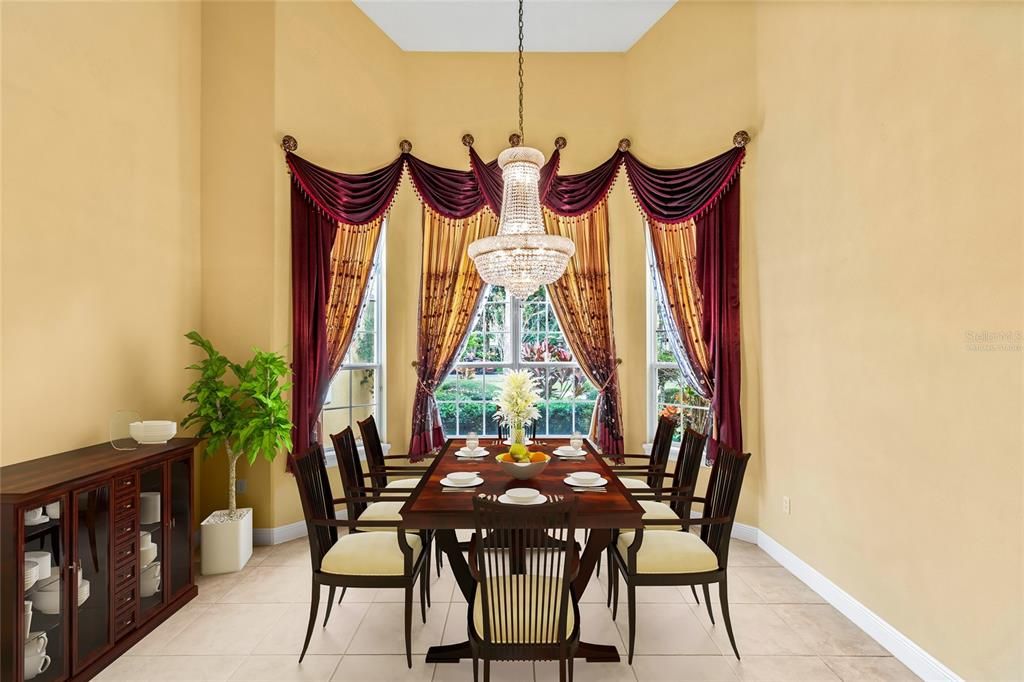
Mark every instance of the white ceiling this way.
pixel 491 25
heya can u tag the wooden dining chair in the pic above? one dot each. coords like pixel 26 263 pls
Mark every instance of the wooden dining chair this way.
pixel 390 558
pixel 523 608
pixel 652 467
pixel 366 502
pixel 377 461
pixel 660 554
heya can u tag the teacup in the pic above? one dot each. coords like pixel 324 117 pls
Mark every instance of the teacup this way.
pixel 145 538
pixel 522 495
pixel 464 477
pixel 149 584
pixel 151 571
pixel 53 510
pixel 586 477
pixel 33 515
pixel 35 644
pixel 35 664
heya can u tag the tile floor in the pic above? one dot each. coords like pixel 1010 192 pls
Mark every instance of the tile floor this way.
pixel 249 626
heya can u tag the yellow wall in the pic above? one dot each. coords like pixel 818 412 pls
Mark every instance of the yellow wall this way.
pixel 100 217
pixel 889 167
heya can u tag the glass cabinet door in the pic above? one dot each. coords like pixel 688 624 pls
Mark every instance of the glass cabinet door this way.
pixel 91 574
pixel 152 539
pixel 180 556
pixel 46 570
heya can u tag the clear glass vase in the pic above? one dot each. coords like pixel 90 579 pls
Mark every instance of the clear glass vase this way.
pixel 517 433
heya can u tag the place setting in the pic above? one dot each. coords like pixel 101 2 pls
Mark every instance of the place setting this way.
pixel 472 449
pixel 574 450
pixel 586 482
pixel 461 481
pixel 522 496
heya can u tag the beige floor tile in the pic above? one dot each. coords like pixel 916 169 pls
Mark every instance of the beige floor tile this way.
pixel 262 668
pixel 455 627
pixel 739 591
pixel 655 594
pixel 547 671
pixel 382 630
pixel 285 635
pixel 382 669
pixel 171 669
pixel 226 629
pixel 869 669
pixel 274 585
pixel 154 642
pixel 294 553
pixel 683 669
pixel 747 554
pixel 595 591
pixel 783 669
pixel 597 626
pixel 260 553
pixel 759 631
pixel 666 631
pixel 828 632
pixel 213 587
pixel 777 586
pixel 501 671
pixel 441 589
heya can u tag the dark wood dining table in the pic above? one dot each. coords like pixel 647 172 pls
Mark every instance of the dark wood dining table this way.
pixel 430 507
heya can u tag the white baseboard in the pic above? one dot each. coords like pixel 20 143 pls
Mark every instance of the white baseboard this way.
pixel 275 536
pixel 899 645
pixel 742 531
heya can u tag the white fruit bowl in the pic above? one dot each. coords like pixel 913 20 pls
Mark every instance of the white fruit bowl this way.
pixel 154 431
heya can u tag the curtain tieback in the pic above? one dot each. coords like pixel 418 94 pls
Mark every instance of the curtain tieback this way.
pixel 618 361
pixel 426 389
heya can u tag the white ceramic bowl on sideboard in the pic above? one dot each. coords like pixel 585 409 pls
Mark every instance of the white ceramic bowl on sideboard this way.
pixel 153 431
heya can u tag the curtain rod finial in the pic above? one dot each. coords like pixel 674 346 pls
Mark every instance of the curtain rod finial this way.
pixel 624 144
pixel 405 146
pixel 560 142
pixel 741 138
pixel 467 140
pixel 289 143
pixel 515 139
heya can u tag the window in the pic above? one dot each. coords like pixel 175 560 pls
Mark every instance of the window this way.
pixel 668 386
pixel 356 392
pixel 512 334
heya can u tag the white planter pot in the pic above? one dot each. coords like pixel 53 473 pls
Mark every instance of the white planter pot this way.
pixel 226 541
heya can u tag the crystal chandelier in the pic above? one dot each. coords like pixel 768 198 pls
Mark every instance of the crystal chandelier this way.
pixel 522 257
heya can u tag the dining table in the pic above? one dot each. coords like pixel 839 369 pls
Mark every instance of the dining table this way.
pixel 434 506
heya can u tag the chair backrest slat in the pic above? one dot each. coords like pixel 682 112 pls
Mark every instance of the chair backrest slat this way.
pixel 661 448
pixel 350 469
pixel 310 469
pixel 691 454
pixel 722 499
pixel 374 451
pixel 524 557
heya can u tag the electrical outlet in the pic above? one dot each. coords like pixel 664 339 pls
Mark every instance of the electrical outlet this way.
pixel 785 504
pixel 241 486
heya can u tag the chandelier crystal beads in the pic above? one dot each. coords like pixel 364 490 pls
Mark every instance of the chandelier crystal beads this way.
pixel 522 257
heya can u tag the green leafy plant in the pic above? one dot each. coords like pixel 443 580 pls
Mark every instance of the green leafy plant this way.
pixel 247 416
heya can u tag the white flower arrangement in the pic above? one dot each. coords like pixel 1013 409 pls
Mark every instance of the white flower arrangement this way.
pixel 517 401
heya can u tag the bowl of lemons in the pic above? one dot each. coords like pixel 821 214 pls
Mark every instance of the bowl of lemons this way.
pixel 522 464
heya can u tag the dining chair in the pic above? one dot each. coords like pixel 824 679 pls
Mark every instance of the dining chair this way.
pixel 369 503
pixel 652 467
pixel 390 558
pixel 376 460
pixel 523 608
pixel 660 554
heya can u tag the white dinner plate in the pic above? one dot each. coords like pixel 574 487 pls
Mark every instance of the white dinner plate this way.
pixel 452 484
pixel 540 499
pixel 472 454
pixel 569 480
pixel 569 453
pixel 508 441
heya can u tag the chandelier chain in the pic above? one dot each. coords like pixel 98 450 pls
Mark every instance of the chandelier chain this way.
pixel 522 134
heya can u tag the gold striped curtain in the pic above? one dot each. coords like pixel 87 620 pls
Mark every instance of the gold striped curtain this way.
pixel 450 292
pixel 582 299
pixel 351 265
pixel 675 257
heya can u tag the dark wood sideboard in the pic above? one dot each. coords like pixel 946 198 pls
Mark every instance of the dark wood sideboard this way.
pixel 121 520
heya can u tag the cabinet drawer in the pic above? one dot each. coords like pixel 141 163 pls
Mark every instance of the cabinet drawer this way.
pixel 124 622
pixel 126 599
pixel 127 527
pixel 126 551
pixel 126 575
pixel 125 507
pixel 126 484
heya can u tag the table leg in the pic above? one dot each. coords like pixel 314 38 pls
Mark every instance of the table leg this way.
pixel 453 653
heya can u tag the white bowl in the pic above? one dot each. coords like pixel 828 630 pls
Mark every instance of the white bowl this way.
pixel 145 538
pixel 586 477
pixel 155 431
pixel 36 664
pixel 49 584
pixel 47 601
pixel 150 571
pixel 43 562
pixel 522 495
pixel 36 643
pixel 462 476
pixel 147 554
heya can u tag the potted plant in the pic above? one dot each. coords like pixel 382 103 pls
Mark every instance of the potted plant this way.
pixel 246 417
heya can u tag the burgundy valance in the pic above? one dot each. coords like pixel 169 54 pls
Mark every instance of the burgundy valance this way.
pixel 572 195
pixel 452 193
pixel 678 194
pixel 347 198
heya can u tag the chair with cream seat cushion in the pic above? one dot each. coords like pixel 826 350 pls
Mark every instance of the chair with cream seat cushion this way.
pixel 651 469
pixel 524 560
pixel 380 511
pixel 633 483
pixel 394 559
pixel 654 556
pixel 377 461
pixel 655 510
